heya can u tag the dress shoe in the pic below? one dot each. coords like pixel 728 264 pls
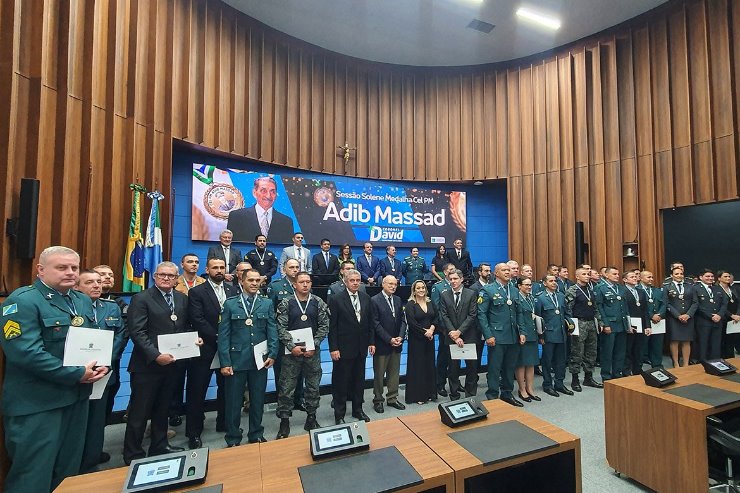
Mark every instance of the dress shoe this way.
pixel 589 381
pixel 258 440
pixel 397 405
pixel 454 397
pixel 165 450
pixel 378 408
pixel 229 445
pixel 535 397
pixel 361 416
pixel 284 430
pixel 538 370
pixel 442 392
pixel 300 406
pixel 338 421
pixel 525 399
pixel 104 457
pixel 564 390
pixel 511 400
pixel 575 384
pixel 551 391
pixel 194 442
pixel 311 423
pixel 175 421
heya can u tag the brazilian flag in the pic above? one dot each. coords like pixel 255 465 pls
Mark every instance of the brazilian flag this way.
pixel 133 262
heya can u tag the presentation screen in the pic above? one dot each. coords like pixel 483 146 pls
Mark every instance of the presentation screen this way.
pixel 344 210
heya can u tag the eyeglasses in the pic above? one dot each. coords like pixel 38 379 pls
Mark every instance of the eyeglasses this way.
pixel 166 276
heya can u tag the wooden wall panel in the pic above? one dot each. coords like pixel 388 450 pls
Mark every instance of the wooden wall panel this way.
pixel 97 90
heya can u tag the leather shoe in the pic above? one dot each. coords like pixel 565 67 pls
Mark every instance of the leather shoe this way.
pixel 538 370
pixel 104 457
pixel 311 423
pixel 454 397
pixel 564 390
pixel 550 391
pixel 442 392
pixel 338 421
pixel 361 416
pixel 259 440
pixel 165 450
pixel 284 430
pixel 511 400
pixel 378 408
pixel 175 421
pixel 525 399
pixel 590 382
pixel 194 442
pixel 535 397
pixel 397 405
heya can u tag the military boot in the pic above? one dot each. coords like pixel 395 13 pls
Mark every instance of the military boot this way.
pixel 589 381
pixel 284 430
pixel 311 423
pixel 575 384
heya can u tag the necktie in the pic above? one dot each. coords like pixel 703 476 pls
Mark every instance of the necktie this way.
pixel 326 258
pixel 220 295
pixel 458 255
pixel 299 254
pixel 226 255
pixel 250 302
pixel 356 306
pixel 390 304
pixel 264 224
pixel 457 299
pixel 170 301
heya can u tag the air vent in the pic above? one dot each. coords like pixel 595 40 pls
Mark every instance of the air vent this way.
pixel 481 26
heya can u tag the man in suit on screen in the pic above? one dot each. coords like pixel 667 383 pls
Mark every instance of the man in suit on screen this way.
pixel 261 218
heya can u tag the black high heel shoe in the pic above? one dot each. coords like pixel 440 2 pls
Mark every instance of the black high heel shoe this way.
pixel 525 399
pixel 535 397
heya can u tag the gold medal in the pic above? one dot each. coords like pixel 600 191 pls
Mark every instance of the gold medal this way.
pixel 304 317
pixel 77 321
pixel 173 317
pixel 248 322
pixel 590 303
pixel 262 262
pixel 619 298
pixel 557 312
pixel 638 303
pixel 508 302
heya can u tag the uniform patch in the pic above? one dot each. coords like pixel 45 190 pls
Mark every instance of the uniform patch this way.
pixel 11 330
pixel 10 309
pixel 480 299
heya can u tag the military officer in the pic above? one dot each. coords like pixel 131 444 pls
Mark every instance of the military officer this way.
pixel 637 307
pixel 550 305
pixel 711 311
pixel 262 259
pixel 681 305
pixel 302 310
pixel 656 313
pixel 497 307
pixel 414 267
pixel 579 301
pixel 278 290
pixel 614 320
pixel 107 316
pixel 44 403
pixel 443 350
pixel 246 321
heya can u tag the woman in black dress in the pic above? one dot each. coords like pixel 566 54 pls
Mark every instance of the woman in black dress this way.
pixel 420 319
pixel 438 264
pixel 730 342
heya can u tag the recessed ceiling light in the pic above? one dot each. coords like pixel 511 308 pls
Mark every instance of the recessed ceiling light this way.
pixel 541 19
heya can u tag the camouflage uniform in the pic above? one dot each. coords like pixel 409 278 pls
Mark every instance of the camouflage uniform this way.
pixel 583 346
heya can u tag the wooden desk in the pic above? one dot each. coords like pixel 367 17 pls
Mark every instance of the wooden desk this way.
pixel 429 428
pixel 237 468
pixel 282 458
pixel 659 439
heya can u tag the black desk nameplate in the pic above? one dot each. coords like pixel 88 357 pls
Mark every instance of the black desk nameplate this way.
pixel 501 441
pixel 711 396
pixel 375 471
pixel 735 377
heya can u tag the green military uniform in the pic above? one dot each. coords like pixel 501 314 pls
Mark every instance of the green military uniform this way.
pixel 289 317
pixel 107 316
pixel 44 404
pixel 611 301
pixel 443 350
pixel 413 269
pixel 278 290
pixel 243 325
pixel 497 316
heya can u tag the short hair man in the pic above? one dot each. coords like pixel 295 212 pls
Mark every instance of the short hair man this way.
pixel 325 263
pixel 390 265
pixel 226 252
pixel 389 325
pixel 298 252
pixel 262 217
pixel 262 260
pixel 368 265
pixel 189 278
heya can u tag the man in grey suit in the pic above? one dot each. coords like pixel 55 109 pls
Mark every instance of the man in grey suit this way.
pixel 389 324
pixel 231 256
pixel 457 312
pixel 298 252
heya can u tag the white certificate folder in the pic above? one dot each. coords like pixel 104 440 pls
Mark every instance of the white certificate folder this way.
pixel 84 345
pixel 181 345
pixel 467 352
pixel 302 338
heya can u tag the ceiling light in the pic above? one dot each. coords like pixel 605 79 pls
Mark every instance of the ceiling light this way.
pixel 544 20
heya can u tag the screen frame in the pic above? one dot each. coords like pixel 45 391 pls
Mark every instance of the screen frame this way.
pixel 320 449
pixel 135 469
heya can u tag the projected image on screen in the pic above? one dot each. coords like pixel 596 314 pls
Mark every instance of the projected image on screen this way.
pixel 342 209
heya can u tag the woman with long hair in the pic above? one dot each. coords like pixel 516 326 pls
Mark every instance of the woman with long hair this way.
pixel 438 263
pixel 420 320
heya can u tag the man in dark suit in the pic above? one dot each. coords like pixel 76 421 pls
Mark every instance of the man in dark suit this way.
pixel 709 315
pixel 390 330
pixel 262 260
pixel 204 308
pixel 458 310
pixel 390 265
pixel 231 256
pixel 261 217
pixel 460 258
pixel 156 311
pixel 637 308
pixel 368 265
pixel 351 336
pixel 325 263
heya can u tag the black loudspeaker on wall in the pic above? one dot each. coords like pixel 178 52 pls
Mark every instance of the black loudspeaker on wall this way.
pixel 581 246
pixel 25 246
